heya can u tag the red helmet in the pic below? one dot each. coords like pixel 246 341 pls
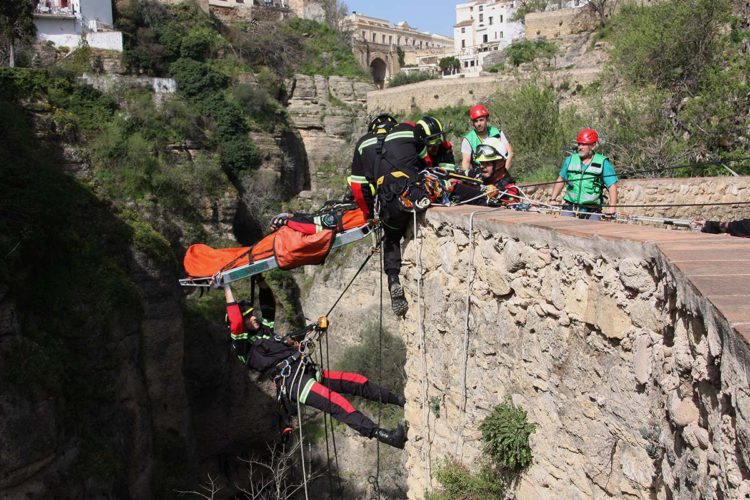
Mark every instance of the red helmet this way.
pixel 588 136
pixel 478 111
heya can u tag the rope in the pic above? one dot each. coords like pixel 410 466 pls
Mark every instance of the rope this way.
pixel 372 251
pixel 423 340
pixel 330 420
pixel 374 480
pixel 628 174
pixel 465 357
pixel 299 423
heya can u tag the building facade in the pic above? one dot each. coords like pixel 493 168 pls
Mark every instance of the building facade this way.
pixel 66 22
pixel 483 26
pixel 376 43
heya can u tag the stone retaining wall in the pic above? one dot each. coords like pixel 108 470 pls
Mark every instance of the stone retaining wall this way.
pixel 628 356
pixel 675 191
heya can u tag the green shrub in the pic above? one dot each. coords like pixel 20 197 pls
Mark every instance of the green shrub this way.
pixel 524 51
pixel 259 106
pixel 195 78
pixel 457 481
pixel 411 77
pixel 670 43
pixel 238 155
pixel 505 433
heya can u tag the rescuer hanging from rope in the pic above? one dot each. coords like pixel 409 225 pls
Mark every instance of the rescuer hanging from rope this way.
pixel 284 359
pixel 399 191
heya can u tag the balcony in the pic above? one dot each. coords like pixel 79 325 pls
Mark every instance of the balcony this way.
pixel 46 11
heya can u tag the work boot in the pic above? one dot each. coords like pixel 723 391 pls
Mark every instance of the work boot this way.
pixel 397 400
pixel 398 300
pixel 395 437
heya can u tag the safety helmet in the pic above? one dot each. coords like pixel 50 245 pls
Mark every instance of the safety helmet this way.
pixel 588 136
pixel 478 111
pixel 430 130
pixel 491 150
pixel 245 306
pixel 381 124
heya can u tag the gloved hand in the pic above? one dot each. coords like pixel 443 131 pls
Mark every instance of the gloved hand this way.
pixel 491 190
pixel 279 220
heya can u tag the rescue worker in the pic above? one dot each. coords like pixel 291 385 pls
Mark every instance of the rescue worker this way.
pixel 585 175
pixel 497 185
pixel 439 149
pixel 366 161
pixel 260 349
pixel 400 192
pixel 481 131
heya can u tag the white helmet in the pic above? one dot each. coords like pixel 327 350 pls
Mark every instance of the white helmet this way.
pixel 490 150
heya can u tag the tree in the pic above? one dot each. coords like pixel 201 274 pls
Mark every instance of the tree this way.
pixel 16 25
pixel 601 9
pixel 526 6
pixel 449 65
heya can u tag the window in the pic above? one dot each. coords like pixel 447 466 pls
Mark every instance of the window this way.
pixel 501 34
pixel 501 18
pixel 383 38
pixel 463 44
pixel 390 39
pixel 484 38
pixel 481 7
pixel 466 64
pixel 363 35
pixel 471 64
pixel 481 18
pixel 463 30
pixel 373 37
pixel 490 20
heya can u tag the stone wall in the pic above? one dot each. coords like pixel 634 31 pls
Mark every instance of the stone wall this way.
pixel 433 94
pixel 619 341
pixel 552 24
pixel 677 191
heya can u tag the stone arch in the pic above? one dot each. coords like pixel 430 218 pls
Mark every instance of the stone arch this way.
pixel 379 71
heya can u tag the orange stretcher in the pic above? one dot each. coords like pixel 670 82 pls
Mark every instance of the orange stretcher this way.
pixel 285 248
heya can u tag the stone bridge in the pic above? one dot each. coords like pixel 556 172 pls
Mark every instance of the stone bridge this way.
pixel 381 61
pixel 627 345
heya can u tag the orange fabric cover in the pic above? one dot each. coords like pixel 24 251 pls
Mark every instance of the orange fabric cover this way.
pixel 293 248
pixel 202 260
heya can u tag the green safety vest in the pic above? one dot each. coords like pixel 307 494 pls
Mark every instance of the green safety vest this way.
pixel 585 182
pixel 475 140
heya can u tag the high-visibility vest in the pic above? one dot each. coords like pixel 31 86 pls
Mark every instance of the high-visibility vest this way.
pixel 475 140
pixel 584 183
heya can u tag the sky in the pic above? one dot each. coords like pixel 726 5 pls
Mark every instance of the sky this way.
pixel 435 16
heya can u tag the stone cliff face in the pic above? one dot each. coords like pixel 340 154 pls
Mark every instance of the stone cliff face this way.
pixel 636 382
pixel 327 112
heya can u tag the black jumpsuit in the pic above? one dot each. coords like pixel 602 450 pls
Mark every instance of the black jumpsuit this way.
pixel 261 351
pixel 403 157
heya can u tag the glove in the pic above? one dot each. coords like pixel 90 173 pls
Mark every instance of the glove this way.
pixel 279 220
pixel 491 190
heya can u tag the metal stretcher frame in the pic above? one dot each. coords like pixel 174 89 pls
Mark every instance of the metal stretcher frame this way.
pixel 245 271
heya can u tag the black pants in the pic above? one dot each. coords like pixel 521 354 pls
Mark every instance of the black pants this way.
pixel 394 229
pixel 326 396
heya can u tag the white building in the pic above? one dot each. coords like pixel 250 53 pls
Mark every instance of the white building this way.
pixel 63 22
pixel 483 26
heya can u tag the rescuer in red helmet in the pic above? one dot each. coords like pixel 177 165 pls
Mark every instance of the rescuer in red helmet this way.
pixel 585 175
pixel 479 116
